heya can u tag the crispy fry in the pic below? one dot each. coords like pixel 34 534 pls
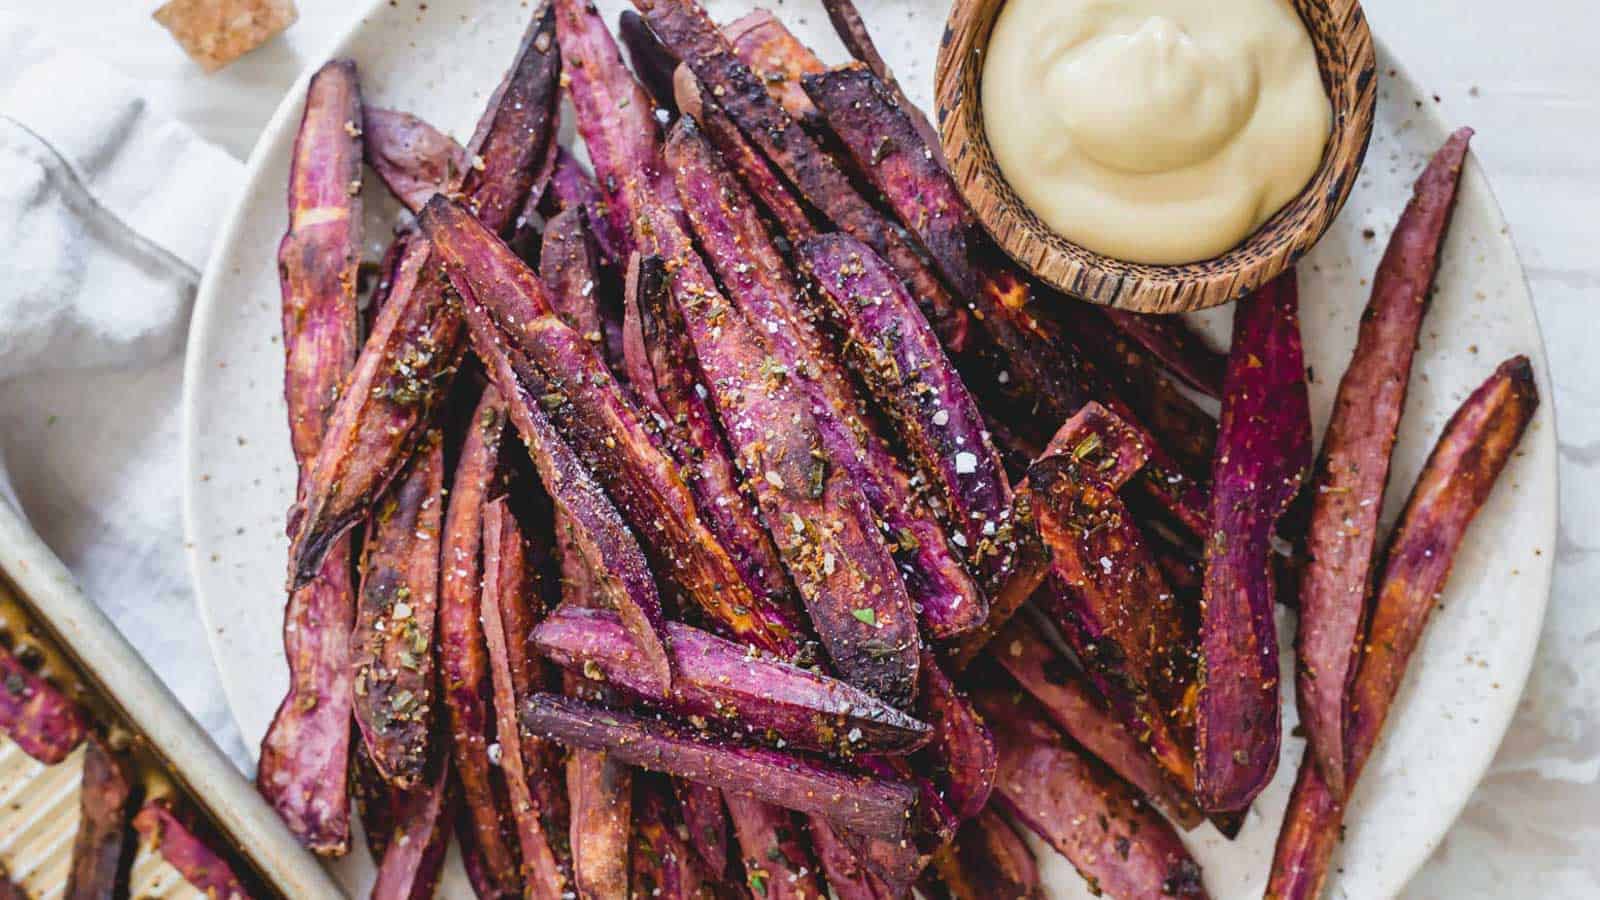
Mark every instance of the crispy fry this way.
pixel 989 861
pixel 414 159
pixel 685 29
pixel 761 286
pixel 869 805
pixel 463 655
pixel 570 270
pixel 414 854
pixel 720 682
pixel 664 369
pixel 570 186
pixel 664 865
pixel 962 751
pixel 852 31
pixel 706 817
pixel 44 722
pixel 847 875
pixel 102 825
pixel 1263 455
pixel 1183 352
pixel 651 62
pixel 1065 696
pixel 1353 469
pixel 1461 471
pixel 391 647
pixel 202 867
pixel 931 825
pixel 602 812
pixel 777 863
pixel 305 753
pixel 883 139
pixel 778 58
pixel 1055 790
pixel 901 360
pixel 742 158
pixel 816 512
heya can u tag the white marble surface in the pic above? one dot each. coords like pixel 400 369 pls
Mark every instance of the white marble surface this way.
pixel 1524 74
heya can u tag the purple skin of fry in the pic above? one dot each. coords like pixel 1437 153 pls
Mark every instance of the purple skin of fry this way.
pixel 885 143
pixel 899 356
pixel 872 806
pixel 570 270
pixel 570 186
pixel 847 875
pixel 651 61
pixel 777 863
pixel 1457 479
pixel 202 867
pixel 414 856
pixel 414 159
pixel 852 31
pixel 761 286
pixel 1182 351
pixel 305 753
pixel 962 751
pixel 97 848
pixel 1353 469
pixel 706 817
pixel 39 718
pixel 1054 789
pixel 724 682
pixel 1263 456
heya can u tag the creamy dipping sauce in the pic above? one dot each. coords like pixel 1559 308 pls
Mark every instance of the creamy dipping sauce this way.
pixel 1155 131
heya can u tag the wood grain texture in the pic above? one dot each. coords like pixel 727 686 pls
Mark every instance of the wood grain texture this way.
pixel 1345 57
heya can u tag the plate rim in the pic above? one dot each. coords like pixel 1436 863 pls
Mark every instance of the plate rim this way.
pixel 206 305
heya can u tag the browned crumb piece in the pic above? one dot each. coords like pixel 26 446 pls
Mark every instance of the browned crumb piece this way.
pixel 216 32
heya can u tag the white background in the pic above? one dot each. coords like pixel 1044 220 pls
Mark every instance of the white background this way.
pixel 1526 75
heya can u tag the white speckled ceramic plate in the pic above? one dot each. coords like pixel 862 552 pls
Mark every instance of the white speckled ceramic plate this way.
pixel 441 61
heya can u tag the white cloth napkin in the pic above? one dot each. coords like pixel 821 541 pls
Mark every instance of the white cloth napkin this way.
pixel 107 212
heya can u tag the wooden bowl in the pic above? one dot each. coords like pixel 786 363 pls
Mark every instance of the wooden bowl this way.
pixel 1343 44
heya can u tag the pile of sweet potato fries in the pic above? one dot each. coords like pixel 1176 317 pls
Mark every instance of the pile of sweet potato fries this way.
pixel 756 439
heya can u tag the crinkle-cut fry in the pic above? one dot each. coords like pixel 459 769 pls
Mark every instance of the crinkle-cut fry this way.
pixel 1065 695
pixel 898 356
pixel 962 750
pixel 42 720
pixel 1353 467
pixel 206 871
pixel 414 159
pixel 414 855
pixel 103 807
pixel 463 654
pixel 778 58
pixel 391 645
pixel 777 863
pixel 742 157
pixel 817 513
pixel 732 686
pixel 886 145
pixel 762 287
pixel 1184 352
pixel 518 298
pixel 506 595
pixel 1457 479
pixel 872 806
pixel 1106 593
pixel 665 375
pixel 1263 456
pixel 1117 842
pixel 682 25
pixel 988 861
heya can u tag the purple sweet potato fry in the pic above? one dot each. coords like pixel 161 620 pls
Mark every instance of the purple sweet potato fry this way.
pixel 464 670
pixel 871 806
pixel 569 266
pixel 930 826
pixel 742 157
pixel 1353 467
pixel 665 374
pixel 1117 842
pixel 664 865
pixel 102 825
pixel 414 159
pixel 705 816
pixel 39 718
pixel 988 861
pixel 615 117
pixel 304 754
pixel 852 31
pixel 391 646
pixel 505 596
pixel 777 863
pixel 1106 592
pixel 898 356
pixel 883 139
pixel 816 512
pixel 651 62
pixel 762 287
pixel 202 867
pixel 962 752
pixel 414 854
pixel 720 681
pixel 1065 696
pixel 1182 351
pixel 1461 471
pixel 847 875
pixel 1263 456
pixel 684 28
pixel 570 186
pixel 601 790
pixel 778 58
